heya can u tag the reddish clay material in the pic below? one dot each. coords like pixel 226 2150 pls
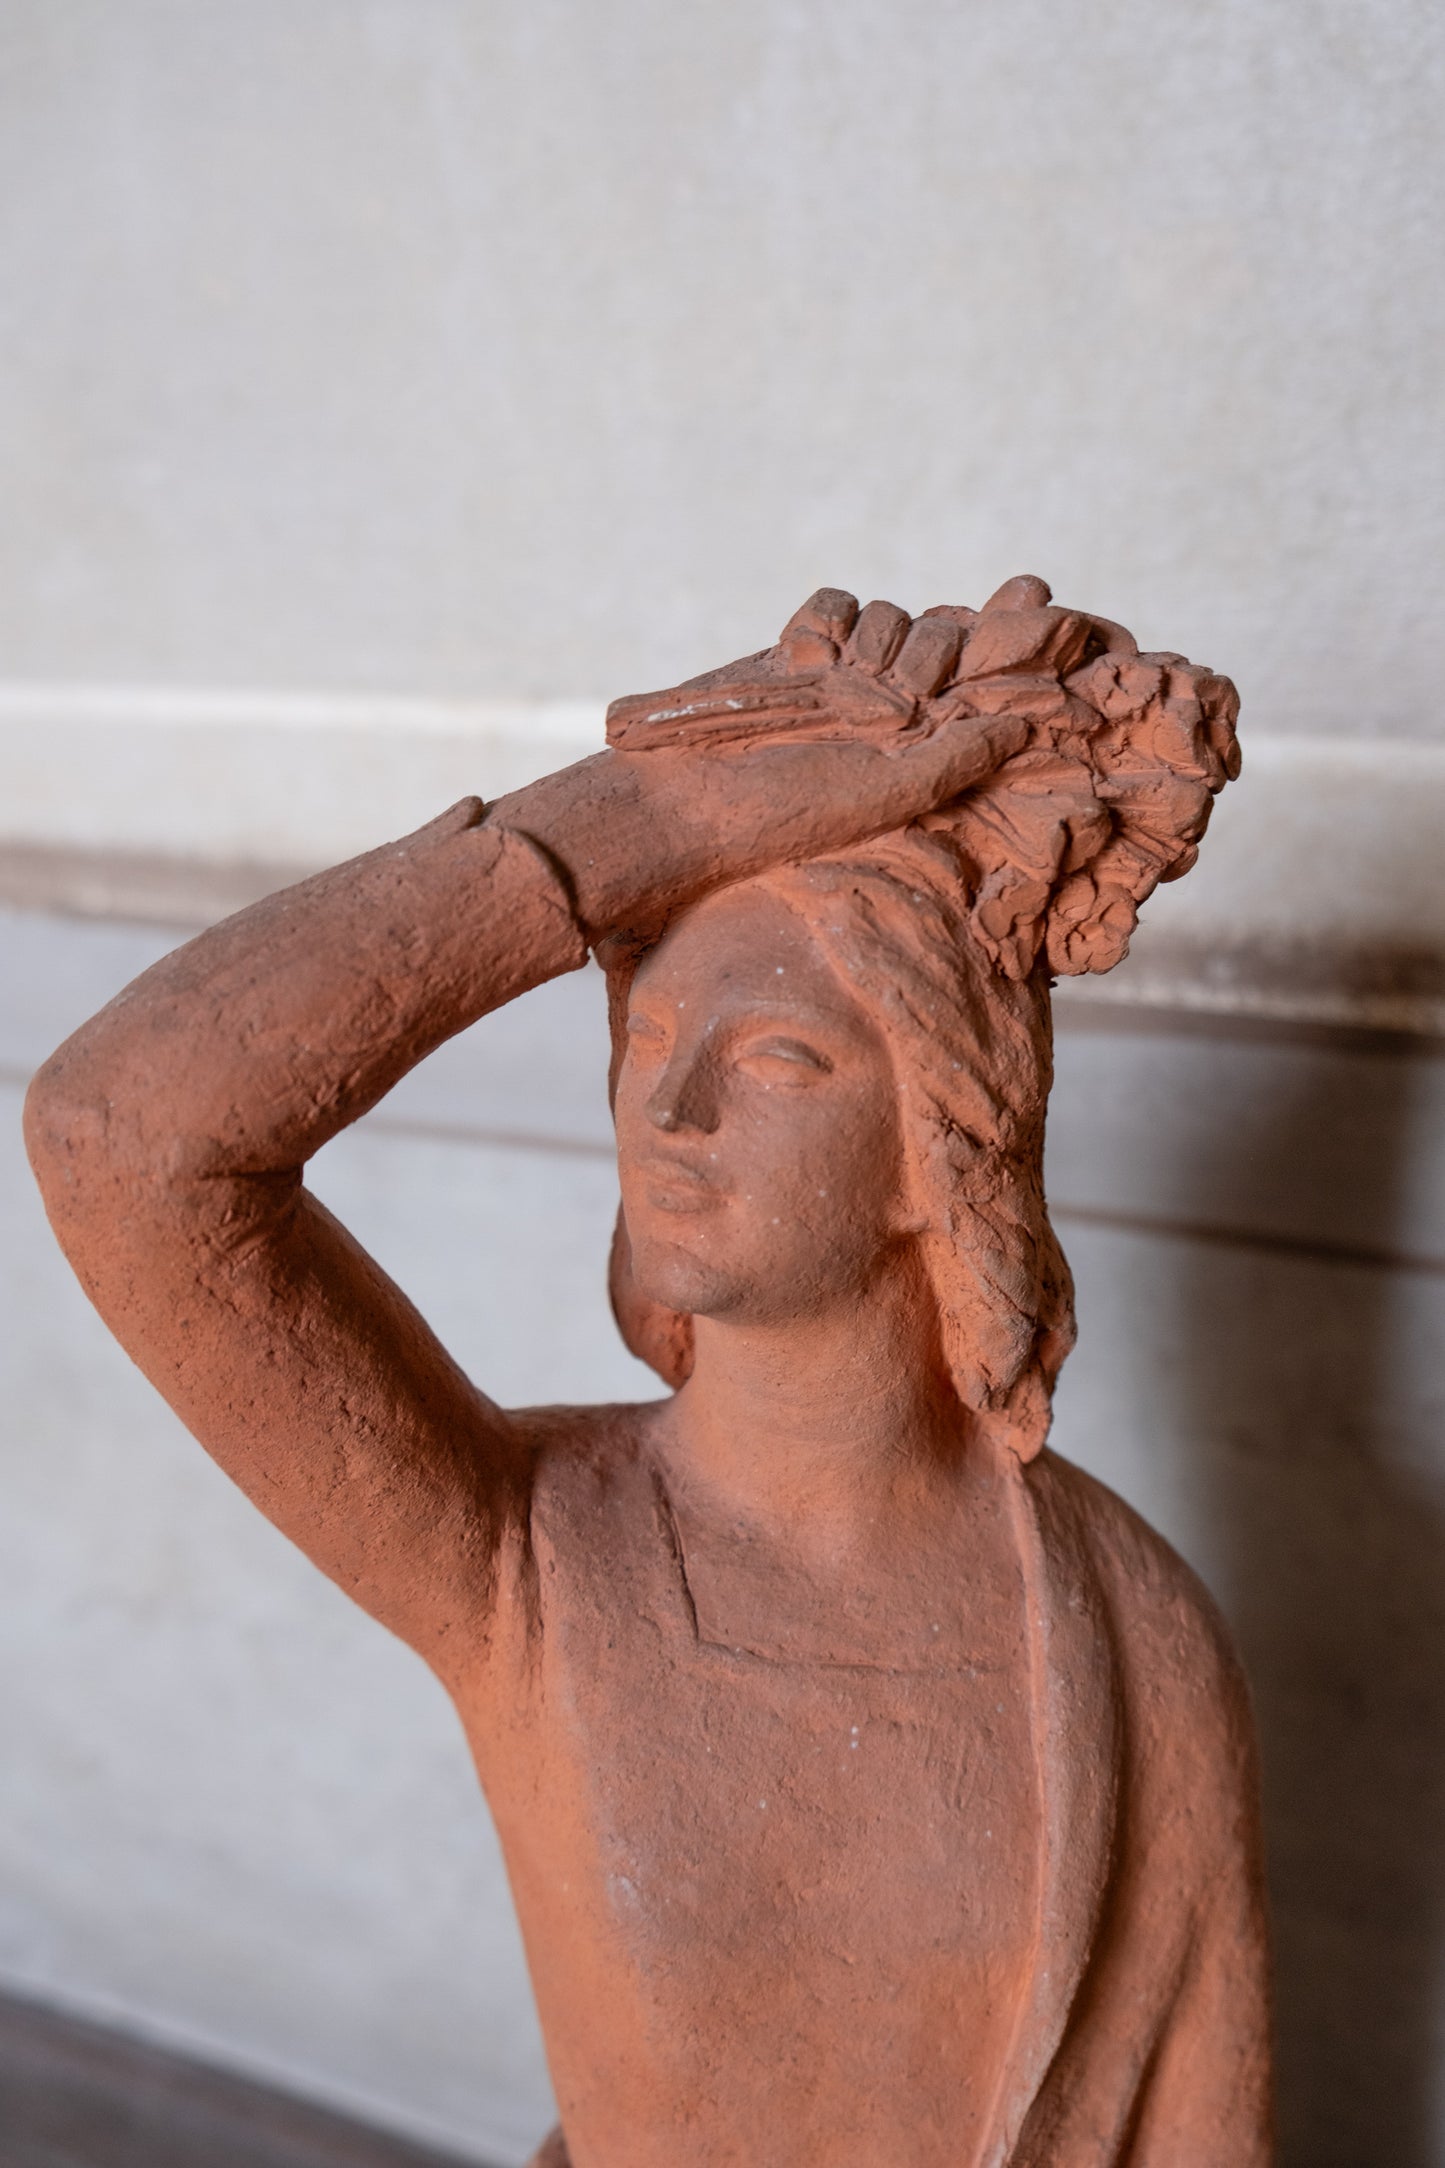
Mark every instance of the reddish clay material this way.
pixel 876 1788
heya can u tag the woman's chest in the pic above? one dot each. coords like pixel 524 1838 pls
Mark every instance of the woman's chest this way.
pixel 844 1817
pixel 856 1787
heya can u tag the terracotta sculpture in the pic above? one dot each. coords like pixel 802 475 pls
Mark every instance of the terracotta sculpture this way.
pixel 875 1787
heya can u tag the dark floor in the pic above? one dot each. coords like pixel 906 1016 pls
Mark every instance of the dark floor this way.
pixel 75 2095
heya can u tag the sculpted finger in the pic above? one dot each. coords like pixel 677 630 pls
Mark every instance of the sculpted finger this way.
pixel 927 657
pixel 877 636
pixel 1025 591
pixel 969 750
pixel 813 635
pixel 955 759
pixel 831 611
pixel 715 715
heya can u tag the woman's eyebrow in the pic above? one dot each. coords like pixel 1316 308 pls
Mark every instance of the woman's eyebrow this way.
pixel 761 1005
pixel 793 1016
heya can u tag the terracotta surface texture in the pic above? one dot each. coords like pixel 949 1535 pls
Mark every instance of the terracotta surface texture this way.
pixel 875 1787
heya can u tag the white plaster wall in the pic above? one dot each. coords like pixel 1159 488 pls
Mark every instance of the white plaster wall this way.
pixel 467 348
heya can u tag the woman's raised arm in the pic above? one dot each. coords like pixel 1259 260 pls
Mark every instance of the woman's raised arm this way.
pixel 170 1133
pixel 169 1137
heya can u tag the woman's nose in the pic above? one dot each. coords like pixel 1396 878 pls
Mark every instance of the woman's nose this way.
pixel 685 1097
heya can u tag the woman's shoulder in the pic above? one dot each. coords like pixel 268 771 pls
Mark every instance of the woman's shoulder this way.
pixel 586 1451
pixel 1169 1627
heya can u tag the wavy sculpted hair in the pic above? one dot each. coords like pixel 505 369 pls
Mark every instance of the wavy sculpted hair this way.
pixel 950 932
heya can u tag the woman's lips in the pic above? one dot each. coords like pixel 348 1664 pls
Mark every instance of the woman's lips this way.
pixel 675 1185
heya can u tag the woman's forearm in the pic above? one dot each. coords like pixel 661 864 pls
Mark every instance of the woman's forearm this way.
pixel 248 1049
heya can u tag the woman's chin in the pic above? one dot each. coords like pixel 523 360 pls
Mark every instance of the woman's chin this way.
pixel 666 1268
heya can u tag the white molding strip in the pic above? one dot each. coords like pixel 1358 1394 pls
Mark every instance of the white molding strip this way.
pixel 1319 897
pixel 30 704
pixel 260 777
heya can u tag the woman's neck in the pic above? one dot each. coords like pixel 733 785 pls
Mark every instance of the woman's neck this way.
pixel 815 1425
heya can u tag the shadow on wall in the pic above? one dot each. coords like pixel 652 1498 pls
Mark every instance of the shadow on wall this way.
pixel 1329 1527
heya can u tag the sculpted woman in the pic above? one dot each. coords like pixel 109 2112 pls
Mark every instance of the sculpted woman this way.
pixel 876 1789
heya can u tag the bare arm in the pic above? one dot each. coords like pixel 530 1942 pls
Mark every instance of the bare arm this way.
pixel 169 1135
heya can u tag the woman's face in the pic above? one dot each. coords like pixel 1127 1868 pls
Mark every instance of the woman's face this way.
pixel 757 1122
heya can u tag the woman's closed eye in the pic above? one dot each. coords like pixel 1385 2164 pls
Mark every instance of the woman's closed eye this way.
pixel 778 1060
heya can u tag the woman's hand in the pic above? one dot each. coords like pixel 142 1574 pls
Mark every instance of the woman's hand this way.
pixel 817 744
pixel 836 671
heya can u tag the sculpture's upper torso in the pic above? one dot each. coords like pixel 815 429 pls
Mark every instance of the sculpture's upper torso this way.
pixel 1016 1925
pixel 779 1881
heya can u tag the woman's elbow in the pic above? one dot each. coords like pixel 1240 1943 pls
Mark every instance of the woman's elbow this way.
pixel 76 1134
